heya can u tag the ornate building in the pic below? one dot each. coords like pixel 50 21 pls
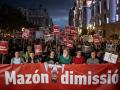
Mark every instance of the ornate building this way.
pixel 103 15
pixel 37 16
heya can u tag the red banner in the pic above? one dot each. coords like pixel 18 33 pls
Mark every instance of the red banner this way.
pixel 60 77
pixel 3 47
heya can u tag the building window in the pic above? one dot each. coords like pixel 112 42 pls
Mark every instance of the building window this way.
pixel 94 24
pixel 107 20
pixel 100 6
pixel 92 11
pixel 117 17
pixel 99 22
pixel 98 9
pixel 117 8
pixel 104 18
pixel 117 1
pixel 107 4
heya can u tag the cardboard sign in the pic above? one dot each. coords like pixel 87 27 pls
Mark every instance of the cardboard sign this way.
pixel 38 49
pixel 109 57
pixel 26 33
pixel 96 39
pixel 56 29
pixel 3 47
pixel 39 34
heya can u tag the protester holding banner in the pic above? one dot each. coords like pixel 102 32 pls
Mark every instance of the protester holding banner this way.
pixel 65 58
pixel 86 49
pixel 27 53
pixel 79 59
pixel 32 58
pixel 17 59
pixel 93 59
pixel 52 59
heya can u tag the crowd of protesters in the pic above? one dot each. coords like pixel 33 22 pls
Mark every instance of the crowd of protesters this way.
pixel 81 53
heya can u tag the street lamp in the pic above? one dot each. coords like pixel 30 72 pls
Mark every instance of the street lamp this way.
pixel 89 3
pixel 90 26
pixel 91 29
pixel 23 29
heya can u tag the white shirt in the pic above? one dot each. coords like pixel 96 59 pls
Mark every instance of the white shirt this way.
pixel 16 61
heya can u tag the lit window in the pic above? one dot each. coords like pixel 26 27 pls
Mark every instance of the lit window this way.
pixel 108 4
pixel 117 17
pixel 89 3
pixel 107 20
pixel 117 1
pixel 100 6
pixel 117 8
pixel 99 22
pixel 94 23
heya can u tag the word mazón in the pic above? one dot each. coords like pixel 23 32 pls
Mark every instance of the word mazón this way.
pixel 25 79
pixel 68 77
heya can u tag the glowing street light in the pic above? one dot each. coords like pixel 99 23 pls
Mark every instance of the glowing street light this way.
pixel 90 25
pixel 89 3
pixel 23 29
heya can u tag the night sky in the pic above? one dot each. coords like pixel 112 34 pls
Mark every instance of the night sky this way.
pixel 57 9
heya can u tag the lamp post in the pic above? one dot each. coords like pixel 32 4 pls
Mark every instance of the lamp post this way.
pixel 91 29
pixel 89 4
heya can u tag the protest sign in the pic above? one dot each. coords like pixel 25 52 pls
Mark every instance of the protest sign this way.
pixel 39 35
pixel 109 57
pixel 3 47
pixel 38 49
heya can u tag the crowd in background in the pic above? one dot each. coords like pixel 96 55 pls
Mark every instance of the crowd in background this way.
pixel 22 51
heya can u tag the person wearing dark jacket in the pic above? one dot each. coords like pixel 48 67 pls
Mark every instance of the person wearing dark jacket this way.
pixel 32 58
pixel 51 58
